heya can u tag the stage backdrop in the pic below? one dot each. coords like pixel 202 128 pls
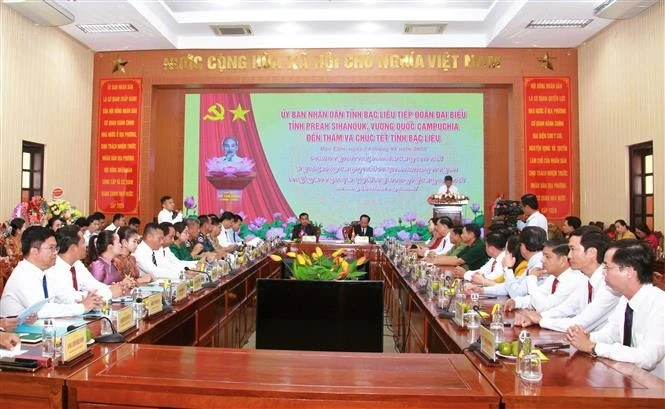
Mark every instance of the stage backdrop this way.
pixel 333 155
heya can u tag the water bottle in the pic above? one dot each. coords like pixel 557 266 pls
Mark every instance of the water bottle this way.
pixel 523 348
pixel 48 339
pixel 137 309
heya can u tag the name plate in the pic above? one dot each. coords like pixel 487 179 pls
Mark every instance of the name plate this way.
pixel 361 240
pixel 214 274
pixel 74 344
pixel 197 282
pixel 181 291
pixel 487 343
pixel 459 314
pixel 125 319
pixel 154 303
pixel 308 239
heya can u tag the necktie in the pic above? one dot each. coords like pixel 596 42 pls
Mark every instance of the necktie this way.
pixel 493 264
pixel 154 259
pixel 590 290
pixel 554 284
pixel 443 246
pixel 447 189
pixel 235 237
pixel 44 286
pixel 627 325
pixel 74 282
pixel 363 231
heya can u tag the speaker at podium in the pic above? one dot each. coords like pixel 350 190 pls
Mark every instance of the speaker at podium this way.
pixel 449 205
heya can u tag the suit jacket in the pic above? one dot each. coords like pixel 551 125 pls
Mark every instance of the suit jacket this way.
pixel 310 230
pixel 369 232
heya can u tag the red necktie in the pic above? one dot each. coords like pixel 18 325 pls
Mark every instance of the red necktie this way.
pixel 493 265
pixel 447 189
pixel 554 284
pixel 590 289
pixel 74 282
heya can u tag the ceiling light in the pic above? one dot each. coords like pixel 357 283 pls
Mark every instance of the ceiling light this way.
pixel 107 28
pixel 289 28
pixel 369 27
pixel 554 23
pixel 434 28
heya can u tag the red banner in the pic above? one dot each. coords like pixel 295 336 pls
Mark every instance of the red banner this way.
pixel 118 146
pixel 547 144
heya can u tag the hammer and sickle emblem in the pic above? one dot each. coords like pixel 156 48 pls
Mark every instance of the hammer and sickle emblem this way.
pixel 215 113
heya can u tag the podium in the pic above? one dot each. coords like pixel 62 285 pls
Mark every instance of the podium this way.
pixel 452 210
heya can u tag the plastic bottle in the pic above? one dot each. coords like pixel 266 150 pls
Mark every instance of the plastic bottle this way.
pixel 48 339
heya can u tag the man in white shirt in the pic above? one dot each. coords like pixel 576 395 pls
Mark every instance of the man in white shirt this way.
pixel 29 283
pixel 70 271
pixel 492 272
pixel 443 227
pixel 146 255
pixel 560 284
pixel 95 223
pixel 447 186
pixel 533 216
pixel 532 240
pixel 165 256
pixel 587 248
pixel 236 225
pixel 634 332
pixel 168 212
pixel 225 237
pixel 118 222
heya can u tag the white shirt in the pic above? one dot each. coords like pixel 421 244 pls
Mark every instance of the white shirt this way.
pixel 536 219
pixel 444 246
pixel 516 286
pixel 492 270
pixel 24 288
pixel 592 316
pixel 84 279
pixel 112 227
pixel 167 216
pixel 162 269
pixel 541 297
pixel 225 238
pixel 165 257
pixel 647 348
pixel 445 189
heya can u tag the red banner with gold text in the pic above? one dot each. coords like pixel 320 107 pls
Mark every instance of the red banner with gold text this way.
pixel 547 144
pixel 118 146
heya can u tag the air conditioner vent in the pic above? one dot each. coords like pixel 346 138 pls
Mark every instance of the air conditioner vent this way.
pixel 42 12
pixel 232 30
pixel 622 9
pixel 435 28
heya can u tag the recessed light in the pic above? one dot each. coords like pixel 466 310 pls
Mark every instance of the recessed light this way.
pixel 369 27
pixel 289 28
pixel 556 23
pixel 107 28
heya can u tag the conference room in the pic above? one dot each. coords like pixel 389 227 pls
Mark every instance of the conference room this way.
pixel 326 130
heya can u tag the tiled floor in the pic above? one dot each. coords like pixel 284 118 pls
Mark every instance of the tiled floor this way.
pixel 388 342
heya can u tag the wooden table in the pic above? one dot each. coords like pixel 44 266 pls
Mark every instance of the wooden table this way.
pixel 44 388
pixel 576 381
pixel 136 376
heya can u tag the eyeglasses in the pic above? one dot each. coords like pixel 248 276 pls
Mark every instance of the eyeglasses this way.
pixel 608 267
pixel 53 249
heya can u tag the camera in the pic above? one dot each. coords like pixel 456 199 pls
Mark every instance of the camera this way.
pixel 506 212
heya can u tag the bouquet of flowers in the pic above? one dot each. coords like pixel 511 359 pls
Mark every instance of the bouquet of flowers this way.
pixel 319 267
pixel 63 209
pixel 439 198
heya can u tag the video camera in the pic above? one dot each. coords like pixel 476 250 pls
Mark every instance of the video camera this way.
pixel 506 212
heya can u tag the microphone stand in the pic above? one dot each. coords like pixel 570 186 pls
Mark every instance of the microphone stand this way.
pixel 209 284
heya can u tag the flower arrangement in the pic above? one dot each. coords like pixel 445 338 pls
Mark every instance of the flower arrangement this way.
pixel 63 209
pixel 220 167
pixel 319 267
pixel 442 198
pixel 190 205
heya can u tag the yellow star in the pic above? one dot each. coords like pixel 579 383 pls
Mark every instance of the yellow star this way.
pixel 119 65
pixel 546 61
pixel 239 113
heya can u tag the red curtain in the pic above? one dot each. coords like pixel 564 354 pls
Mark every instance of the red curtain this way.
pixel 262 197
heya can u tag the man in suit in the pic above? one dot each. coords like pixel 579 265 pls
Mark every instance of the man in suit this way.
pixel 363 228
pixel 304 228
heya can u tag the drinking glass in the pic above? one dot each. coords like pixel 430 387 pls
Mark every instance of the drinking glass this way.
pixel 531 368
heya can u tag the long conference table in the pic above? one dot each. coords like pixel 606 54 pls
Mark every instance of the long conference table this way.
pixel 190 358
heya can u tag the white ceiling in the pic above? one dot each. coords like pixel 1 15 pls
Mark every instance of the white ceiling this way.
pixel 185 24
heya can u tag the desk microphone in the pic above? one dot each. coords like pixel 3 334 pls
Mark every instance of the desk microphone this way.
pixel 113 338
pixel 209 284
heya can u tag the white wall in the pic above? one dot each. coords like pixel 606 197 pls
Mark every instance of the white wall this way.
pixel 621 97
pixel 45 97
